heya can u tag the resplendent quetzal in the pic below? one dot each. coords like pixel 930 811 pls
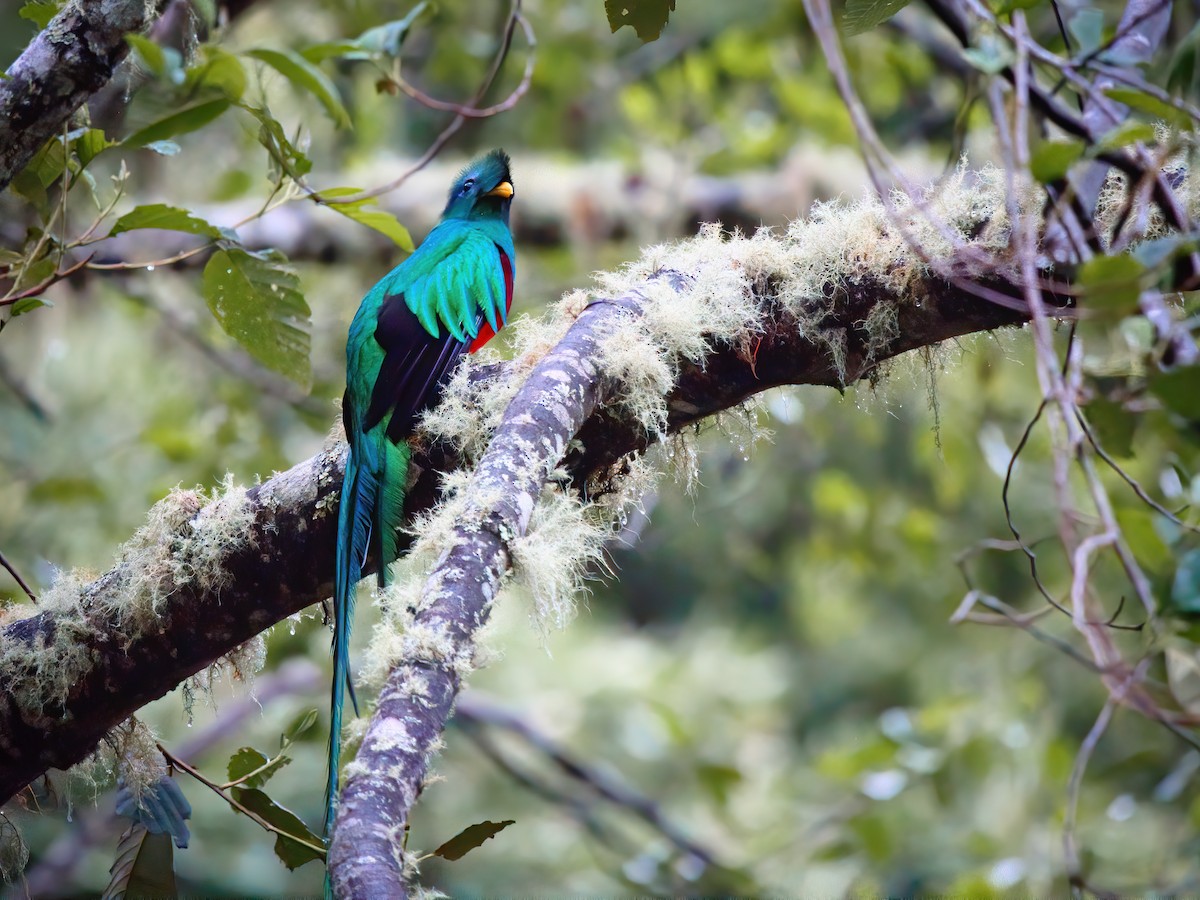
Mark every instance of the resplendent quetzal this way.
pixel 452 295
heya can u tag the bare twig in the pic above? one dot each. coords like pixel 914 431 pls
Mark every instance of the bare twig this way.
pixel 459 120
pixel 17 577
pixel 220 792
pixel 472 708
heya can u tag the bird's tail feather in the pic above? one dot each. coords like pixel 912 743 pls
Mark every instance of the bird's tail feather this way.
pixel 370 512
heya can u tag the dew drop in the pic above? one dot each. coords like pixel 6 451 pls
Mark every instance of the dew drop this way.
pixel 149 268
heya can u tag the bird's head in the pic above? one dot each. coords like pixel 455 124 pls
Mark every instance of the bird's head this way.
pixel 483 190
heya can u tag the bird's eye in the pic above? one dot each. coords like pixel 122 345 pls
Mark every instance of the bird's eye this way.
pixel 468 184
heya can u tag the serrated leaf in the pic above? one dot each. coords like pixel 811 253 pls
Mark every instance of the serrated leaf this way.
pixel 166 218
pixel 1179 391
pixel 862 15
pixel 373 217
pixel 1151 106
pixel 290 852
pixel 470 838
pixel 39 12
pixel 186 120
pixel 258 303
pixel 28 304
pixel 144 866
pixel 1052 159
pixel 247 760
pixel 299 726
pixel 1111 283
pixel 647 17
pixel 306 77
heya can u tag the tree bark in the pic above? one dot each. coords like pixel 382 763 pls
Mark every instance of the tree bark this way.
pixel 282 561
pixel 71 59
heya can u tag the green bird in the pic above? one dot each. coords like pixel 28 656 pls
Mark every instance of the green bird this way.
pixel 451 296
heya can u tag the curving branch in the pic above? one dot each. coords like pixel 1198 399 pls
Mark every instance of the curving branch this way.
pixel 71 59
pixel 563 399
pixel 206 576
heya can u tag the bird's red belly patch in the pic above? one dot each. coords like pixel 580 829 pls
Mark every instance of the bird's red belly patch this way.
pixel 486 332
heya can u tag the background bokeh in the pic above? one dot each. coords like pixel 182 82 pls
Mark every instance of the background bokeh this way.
pixel 771 659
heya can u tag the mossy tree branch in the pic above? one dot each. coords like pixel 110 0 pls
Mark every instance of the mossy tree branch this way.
pixel 64 65
pixel 109 661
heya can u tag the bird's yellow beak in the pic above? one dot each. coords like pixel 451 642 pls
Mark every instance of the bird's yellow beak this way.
pixel 504 190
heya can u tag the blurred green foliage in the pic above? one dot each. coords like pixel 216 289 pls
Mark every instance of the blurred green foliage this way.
pixel 773 661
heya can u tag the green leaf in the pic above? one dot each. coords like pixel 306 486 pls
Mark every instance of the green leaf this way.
pixel 257 300
pixel 1157 251
pixel 1179 390
pixel 647 17
pixel 1181 72
pixel 1111 283
pixel 383 222
pixel 470 838
pixel 1087 27
pixel 1151 106
pixel 290 852
pixel 182 122
pixel 306 77
pixel 66 489
pixel 28 304
pixel 1008 7
pixel 1052 159
pixel 39 12
pixel 163 148
pixel 1138 528
pixel 247 760
pixel 1127 133
pixel 36 271
pixel 991 56
pixel 167 218
pixel 144 867
pixel 299 726
pixel 387 39
pixel 91 144
pixel 150 53
pixel 863 15
pixel 286 158
pixel 1183 675
pixel 217 70
pixel 1185 588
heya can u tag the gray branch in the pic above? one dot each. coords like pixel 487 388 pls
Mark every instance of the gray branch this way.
pixel 61 68
pixel 215 574
pixel 559 402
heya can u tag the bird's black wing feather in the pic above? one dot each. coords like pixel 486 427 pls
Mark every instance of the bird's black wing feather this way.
pixel 415 365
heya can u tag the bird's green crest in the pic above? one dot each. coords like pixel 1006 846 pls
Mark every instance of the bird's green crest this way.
pixel 484 189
